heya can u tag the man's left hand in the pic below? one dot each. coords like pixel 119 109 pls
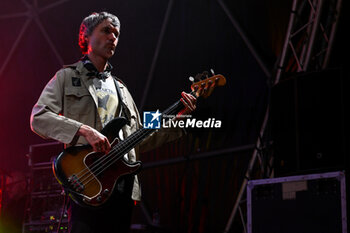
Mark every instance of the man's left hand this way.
pixel 189 101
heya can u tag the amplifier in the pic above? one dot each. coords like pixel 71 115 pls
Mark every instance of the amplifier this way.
pixel 43 153
pixel 43 180
pixel 45 226
pixel 313 203
pixel 46 200
pixel 45 206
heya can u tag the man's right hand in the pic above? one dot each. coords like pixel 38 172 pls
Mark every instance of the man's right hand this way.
pixel 97 140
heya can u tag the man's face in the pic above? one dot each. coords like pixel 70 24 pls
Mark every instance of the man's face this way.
pixel 104 39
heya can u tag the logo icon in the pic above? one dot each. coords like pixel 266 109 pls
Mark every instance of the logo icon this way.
pixel 151 120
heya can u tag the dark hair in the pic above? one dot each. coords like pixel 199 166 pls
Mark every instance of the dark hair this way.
pixel 90 23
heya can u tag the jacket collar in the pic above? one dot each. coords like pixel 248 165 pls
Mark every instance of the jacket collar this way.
pixel 85 67
pixel 78 66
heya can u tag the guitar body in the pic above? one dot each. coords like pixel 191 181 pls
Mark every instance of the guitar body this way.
pixel 91 177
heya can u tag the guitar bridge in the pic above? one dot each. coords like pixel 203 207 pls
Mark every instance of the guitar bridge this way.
pixel 75 183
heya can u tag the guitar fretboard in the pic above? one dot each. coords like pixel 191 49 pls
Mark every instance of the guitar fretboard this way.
pixel 137 137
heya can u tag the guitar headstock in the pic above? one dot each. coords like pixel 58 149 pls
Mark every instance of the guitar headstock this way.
pixel 206 84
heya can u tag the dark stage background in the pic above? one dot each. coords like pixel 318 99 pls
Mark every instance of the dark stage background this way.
pixel 192 196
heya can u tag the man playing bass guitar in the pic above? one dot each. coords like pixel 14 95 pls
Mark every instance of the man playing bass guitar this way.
pixel 79 101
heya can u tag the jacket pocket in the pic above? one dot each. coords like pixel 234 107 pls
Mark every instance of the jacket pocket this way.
pixel 78 101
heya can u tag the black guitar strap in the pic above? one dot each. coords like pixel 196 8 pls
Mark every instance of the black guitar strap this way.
pixel 124 109
pixel 125 183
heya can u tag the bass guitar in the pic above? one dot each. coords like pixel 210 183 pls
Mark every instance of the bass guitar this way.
pixel 90 177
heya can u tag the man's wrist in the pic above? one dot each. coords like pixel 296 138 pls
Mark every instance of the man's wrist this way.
pixel 82 130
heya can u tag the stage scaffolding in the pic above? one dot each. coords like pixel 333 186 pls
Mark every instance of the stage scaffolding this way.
pixel 307 47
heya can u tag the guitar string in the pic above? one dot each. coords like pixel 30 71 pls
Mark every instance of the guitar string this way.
pixel 95 165
pixel 119 147
pixel 98 161
pixel 103 158
pixel 130 138
pixel 169 110
pixel 86 168
pixel 112 160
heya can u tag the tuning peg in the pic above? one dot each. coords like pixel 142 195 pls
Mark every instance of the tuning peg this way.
pixel 212 72
pixel 194 87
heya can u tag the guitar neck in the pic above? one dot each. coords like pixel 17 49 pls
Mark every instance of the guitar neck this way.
pixel 137 137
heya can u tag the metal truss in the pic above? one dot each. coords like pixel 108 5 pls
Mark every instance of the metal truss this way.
pixel 307 47
pixel 245 39
pixel 156 54
pixel 32 14
pixel 310 35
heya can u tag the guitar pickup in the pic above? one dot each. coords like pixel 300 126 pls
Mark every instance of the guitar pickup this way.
pixel 75 183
